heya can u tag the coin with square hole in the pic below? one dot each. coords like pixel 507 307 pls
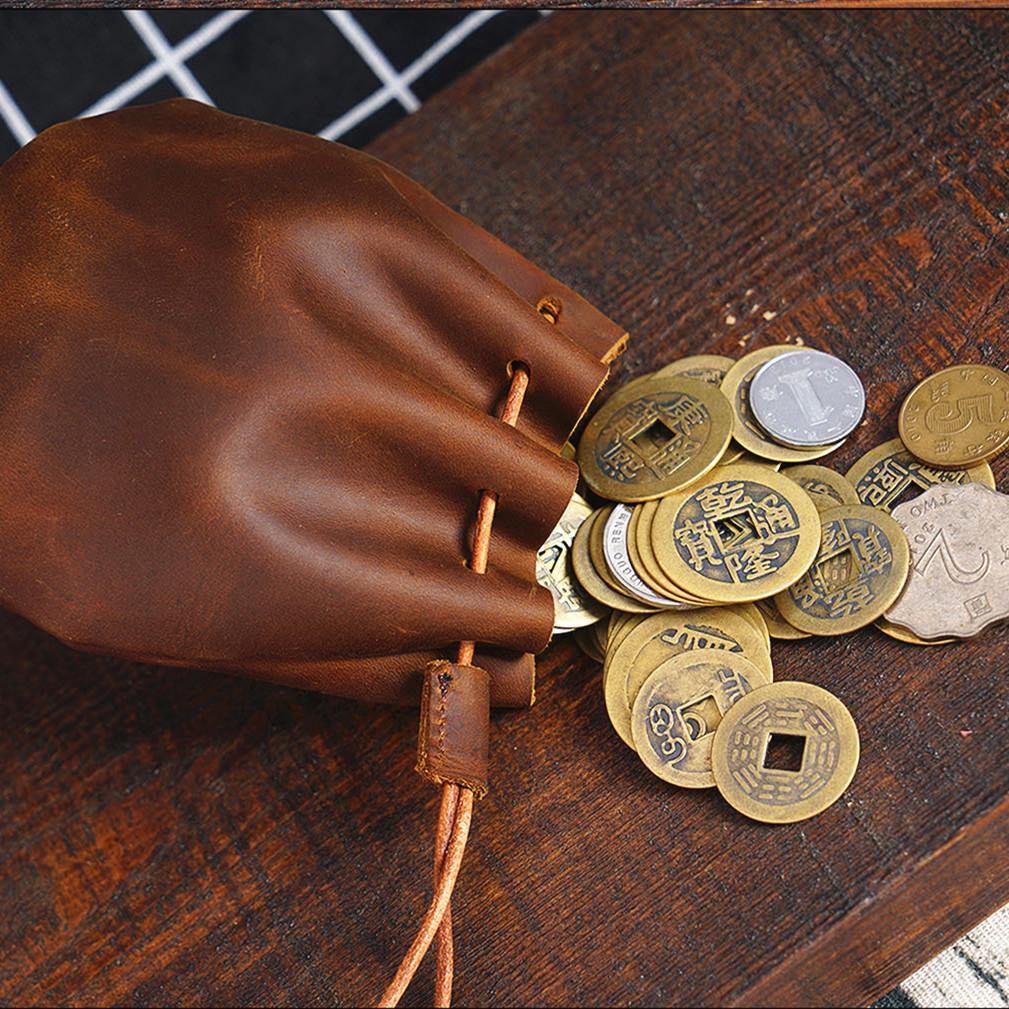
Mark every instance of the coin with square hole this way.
pixel 680 706
pixel 743 533
pixel 654 437
pixel 784 752
pixel 859 571
pixel 889 475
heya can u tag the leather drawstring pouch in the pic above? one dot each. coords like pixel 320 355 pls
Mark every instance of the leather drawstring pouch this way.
pixel 267 406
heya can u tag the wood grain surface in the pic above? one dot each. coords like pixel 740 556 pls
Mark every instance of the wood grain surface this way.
pixel 716 182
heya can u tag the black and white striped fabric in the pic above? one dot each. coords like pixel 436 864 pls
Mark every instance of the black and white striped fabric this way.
pixel 343 75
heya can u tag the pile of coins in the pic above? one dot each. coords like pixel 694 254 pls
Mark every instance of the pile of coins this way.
pixel 704 547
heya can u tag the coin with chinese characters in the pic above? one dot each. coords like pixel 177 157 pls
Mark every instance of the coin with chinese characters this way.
pixel 589 579
pixel 746 432
pixel 743 534
pixel 654 437
pixel 572 607
pixel 807 399
pixel 959 579
pixel 785 752
pixel 889 474
pixel 858 573
pixel 710 368
pixel 827 488
pixel 652 640
pixel 958 417
pixel 679 708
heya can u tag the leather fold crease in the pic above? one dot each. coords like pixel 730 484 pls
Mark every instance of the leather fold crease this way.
pixel 248 385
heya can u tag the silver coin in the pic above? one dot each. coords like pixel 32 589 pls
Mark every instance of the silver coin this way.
pixel 618 560
pixel 807 399
pixel 958 583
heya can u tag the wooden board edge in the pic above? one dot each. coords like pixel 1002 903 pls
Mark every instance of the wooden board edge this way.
pixel 902 927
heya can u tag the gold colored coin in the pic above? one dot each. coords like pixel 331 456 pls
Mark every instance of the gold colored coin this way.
pixel 572 607
pixel 747 433
pixel 588 576
pixel 653 438
pixel 908 637
pixel 745 534
pixel 750 612
pixel 654 640
pixel 888 474
pixel 958 417
pixel 784 752
pixel 646 553
pixel 777 626
pixel 858 573
pixel 679 708
pixel 710 368
pixel 826 487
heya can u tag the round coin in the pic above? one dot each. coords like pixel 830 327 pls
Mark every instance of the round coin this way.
pixel 653 641
pixel 747 433
pixel 959 580
pixel 654 437
pixel 958 417
pixel 859 571
pixel 784 752
pixel 589 578
pixel 827 488
pixel 889 474
pixel 906 636
pixel 572 608
pixel 807 399
pixel 679 708
pixel 646 553
pixel 618 560
pixel 777 626
pixel 709 368
pixel 744 534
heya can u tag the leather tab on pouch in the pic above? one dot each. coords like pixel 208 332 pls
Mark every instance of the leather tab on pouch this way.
pixel 455 726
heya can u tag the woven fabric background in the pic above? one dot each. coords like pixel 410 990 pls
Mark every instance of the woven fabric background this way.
pixel 343 75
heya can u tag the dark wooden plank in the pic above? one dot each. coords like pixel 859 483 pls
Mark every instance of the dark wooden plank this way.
pixel 171 837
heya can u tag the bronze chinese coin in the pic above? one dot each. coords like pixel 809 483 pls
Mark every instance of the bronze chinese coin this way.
pixel 908 637
pixel 746 432
pixel 889 474
pixel 618 560
pixel 777 626
pixel 745 533
pixel 654 437
pixel 680 706
pixel 958 417
pixel 572 607
pixel 859 571
pixel 827 488
pixel 710 368
pixel 784 752
pixel 654 639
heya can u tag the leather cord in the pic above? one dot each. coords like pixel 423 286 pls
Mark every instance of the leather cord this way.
pixel 456 808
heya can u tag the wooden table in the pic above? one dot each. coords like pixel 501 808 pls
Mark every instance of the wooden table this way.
pixel 716 182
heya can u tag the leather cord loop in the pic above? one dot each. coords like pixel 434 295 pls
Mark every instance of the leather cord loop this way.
pixel 457 796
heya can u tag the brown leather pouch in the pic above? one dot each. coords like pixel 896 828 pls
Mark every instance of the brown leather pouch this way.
pixel 248 394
